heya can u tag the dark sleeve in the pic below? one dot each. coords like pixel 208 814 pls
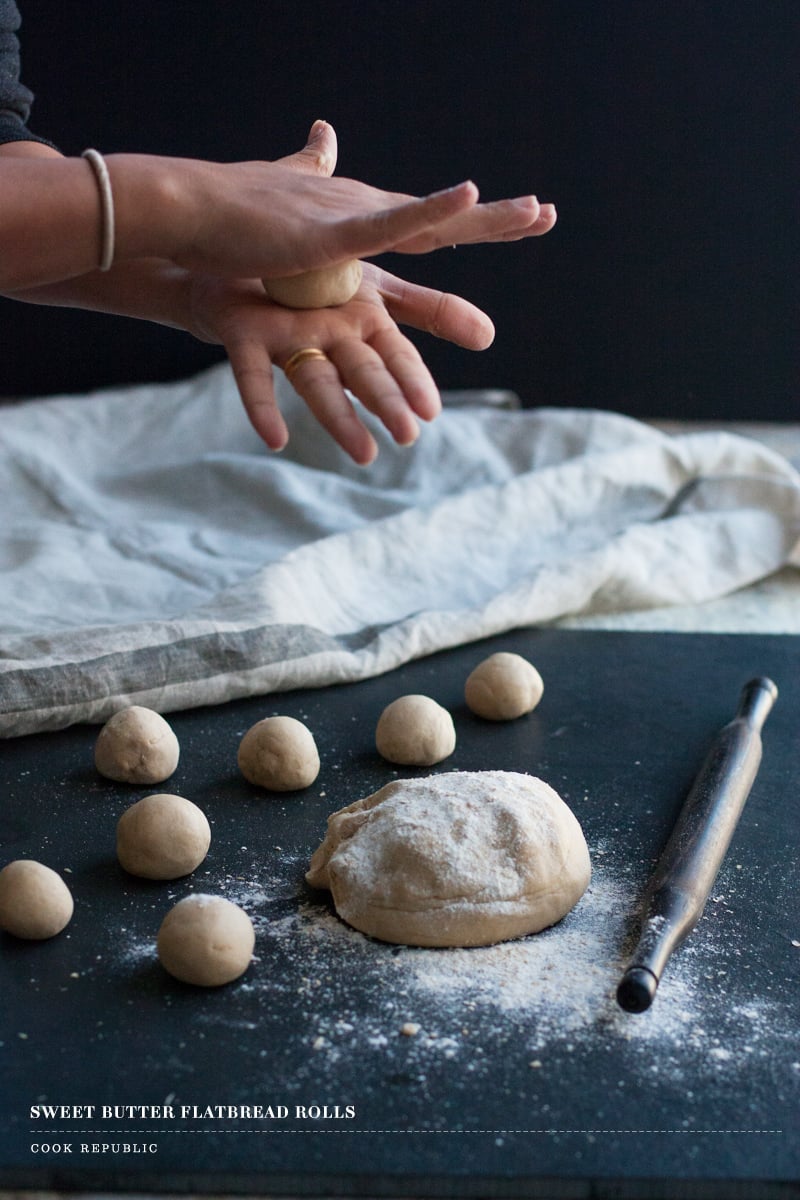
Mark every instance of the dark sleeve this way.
pixel 15 99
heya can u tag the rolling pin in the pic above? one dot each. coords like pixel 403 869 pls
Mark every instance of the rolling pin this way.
pixel 685 872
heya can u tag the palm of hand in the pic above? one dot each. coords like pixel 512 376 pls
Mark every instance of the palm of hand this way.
pixel 366 353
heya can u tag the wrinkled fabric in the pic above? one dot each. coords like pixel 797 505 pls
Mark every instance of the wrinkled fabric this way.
pixel 155 552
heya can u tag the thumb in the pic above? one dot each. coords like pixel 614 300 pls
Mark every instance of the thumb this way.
pixel 318 156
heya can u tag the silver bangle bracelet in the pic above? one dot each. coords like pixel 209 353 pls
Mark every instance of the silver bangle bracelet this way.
pixel 98 164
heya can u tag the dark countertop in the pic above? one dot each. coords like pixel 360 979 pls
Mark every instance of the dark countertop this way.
pixel 524 1078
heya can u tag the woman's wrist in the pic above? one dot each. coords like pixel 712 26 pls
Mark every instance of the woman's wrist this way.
pixel 154 206
pixel 150 195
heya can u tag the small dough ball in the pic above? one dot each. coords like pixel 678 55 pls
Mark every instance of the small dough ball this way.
pixel 502 687
pixel 34 900
pixel 162 837
pixel 206 940
pixel 279 753
pixel 465 858
pixel 324 288
pixel 415 731
pixel 136 745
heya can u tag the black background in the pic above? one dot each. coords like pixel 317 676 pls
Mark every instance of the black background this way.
pixel 664 132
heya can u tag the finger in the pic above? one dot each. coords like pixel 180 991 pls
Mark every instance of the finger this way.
pixel 408 369
pixel 364 371
pixel 389 228
pixel 252 370
pixel 547 219
pixel 543 224
pixel 318 383
pixel 440 313
pixel 498 221
pixel 318 156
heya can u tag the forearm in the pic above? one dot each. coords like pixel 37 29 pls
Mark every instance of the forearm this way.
pixel 148 289
pixel 51 217
pixel 50 226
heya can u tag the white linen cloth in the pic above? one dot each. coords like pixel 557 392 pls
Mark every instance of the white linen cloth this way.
pixel 155 552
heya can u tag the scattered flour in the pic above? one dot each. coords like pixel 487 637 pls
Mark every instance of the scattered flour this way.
pixel 555 989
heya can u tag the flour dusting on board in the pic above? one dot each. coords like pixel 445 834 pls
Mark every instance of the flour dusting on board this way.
pixel 552 988
pixel 555 986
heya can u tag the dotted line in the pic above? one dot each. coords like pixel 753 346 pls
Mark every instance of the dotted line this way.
pixel 406 1132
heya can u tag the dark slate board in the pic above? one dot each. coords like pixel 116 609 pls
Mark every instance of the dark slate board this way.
pixel 705 1103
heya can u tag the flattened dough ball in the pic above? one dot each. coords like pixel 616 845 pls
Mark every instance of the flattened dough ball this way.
pixel 136 745
pixel 324 288
pixel 279 753
pixel 34 900
pixel 415 731
pixel 206 940
pixel 503 687
pixel 162 837
pixel 466 858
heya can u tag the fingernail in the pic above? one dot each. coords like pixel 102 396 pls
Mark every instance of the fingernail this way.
pixel 458 187
pixel 317 130
pixel 409 437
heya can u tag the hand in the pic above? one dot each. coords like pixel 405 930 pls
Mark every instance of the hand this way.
pixel 497 221
pixel 366 353
pixel 260 220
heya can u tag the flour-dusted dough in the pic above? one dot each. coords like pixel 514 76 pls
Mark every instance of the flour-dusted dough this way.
pixel 279 753
pixel 136 745
pixel 162 837
pixel 34 900
pixel 415 731
pixel 503 687
pixel 324 288
pixel 458 859
pixel 206 940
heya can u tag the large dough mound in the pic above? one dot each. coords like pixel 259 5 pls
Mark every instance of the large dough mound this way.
pixel 459 859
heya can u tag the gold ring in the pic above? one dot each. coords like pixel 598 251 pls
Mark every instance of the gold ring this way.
pixel 296 360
